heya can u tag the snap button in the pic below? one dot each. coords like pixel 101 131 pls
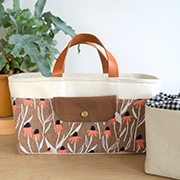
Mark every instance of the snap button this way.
pixel 84 114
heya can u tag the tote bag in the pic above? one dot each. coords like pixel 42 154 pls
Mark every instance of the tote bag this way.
pixel 81 113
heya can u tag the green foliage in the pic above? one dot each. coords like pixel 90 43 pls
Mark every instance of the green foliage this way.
pixel 29 41
pixel 1 13
pixel 39 8
pixel 16 5
pixel 1 1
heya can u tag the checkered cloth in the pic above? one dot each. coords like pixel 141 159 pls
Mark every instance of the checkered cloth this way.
pixel 165 101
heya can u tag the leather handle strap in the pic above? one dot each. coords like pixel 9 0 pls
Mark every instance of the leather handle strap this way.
pixel 103 59
pixel 85 39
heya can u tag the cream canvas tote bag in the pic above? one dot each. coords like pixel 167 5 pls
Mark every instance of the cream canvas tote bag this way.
pixel 81 113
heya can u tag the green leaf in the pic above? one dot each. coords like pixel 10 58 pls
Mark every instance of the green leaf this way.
pixel 41 45
pixel 54 42
pixel 26 42
pixel 3 43
pixel 34 22
pixel 3 62
pixel 25 14
pixel 6 69
pixel 26 64
pixel 40 30
pixel 22 38
pixel 50 56
pixel 61 25
pixel 9 10
pixel 7 50
pixel 1 14
pixel 14 64
pixel 1 1
pixel 48 59
pixel 6 21
pixel 17 48
pixel 28 61
pixel 30 30
pixel 47 41
pixel 16 5
pixel 79 49
pixel 53 50
pixel 47 17
pixel 15 23
pixel 21 18
pixel 19 60
pixel 23 66
pixel 10 32
pixel 55 31
pixel 21 23
pixel 39 6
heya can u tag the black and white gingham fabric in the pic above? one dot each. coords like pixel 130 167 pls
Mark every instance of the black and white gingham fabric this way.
pixel 165 101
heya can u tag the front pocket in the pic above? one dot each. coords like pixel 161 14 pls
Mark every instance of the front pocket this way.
pixel 85 109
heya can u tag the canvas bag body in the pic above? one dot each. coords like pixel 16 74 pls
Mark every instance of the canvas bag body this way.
pixel 113 108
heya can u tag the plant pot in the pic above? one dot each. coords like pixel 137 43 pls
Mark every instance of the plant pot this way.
pixel 5 98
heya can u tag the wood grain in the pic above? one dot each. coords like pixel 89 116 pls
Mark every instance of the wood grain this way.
pixel 7 126
pixel 67 167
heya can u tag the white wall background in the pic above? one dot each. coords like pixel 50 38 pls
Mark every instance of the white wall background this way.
pixel 143 35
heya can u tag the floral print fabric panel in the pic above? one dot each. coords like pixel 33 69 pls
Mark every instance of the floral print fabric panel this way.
pixel 39 130
pixel 132 125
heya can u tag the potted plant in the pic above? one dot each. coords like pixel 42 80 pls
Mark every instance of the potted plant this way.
pixel 29 44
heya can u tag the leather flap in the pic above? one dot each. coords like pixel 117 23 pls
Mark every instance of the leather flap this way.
pixel 81 109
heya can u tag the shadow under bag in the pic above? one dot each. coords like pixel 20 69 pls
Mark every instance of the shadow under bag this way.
pixel 81 113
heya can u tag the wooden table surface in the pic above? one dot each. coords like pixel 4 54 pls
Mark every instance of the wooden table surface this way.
pixel 85 167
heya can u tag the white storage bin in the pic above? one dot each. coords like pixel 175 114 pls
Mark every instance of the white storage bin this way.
pixel 163 138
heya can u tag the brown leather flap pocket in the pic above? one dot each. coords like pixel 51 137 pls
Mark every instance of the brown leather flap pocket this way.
pixel 80 109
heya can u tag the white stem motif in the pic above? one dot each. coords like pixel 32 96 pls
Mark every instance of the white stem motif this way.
pixel 23 118
pixel 135 132
pixel 90 141
pixel 127 129
pixel 74 148
pixel 29 145
pixel 65 137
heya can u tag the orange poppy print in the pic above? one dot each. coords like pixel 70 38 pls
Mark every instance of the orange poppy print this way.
pixel 14 106
pixel 49 150
pixel 42 103
pixel 122 150
pixel 113 120
pixel 107 132
pixel 58 127
pixel 127 117
pixel 63 150
pixel 75 138
pixel 140 142
pixel 27 130
pixel 28 102
pixel 139 103
pixel 36 136
pixel 92 132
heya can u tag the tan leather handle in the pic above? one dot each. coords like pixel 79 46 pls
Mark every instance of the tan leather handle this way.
pixel 85 39
pixel 104 61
